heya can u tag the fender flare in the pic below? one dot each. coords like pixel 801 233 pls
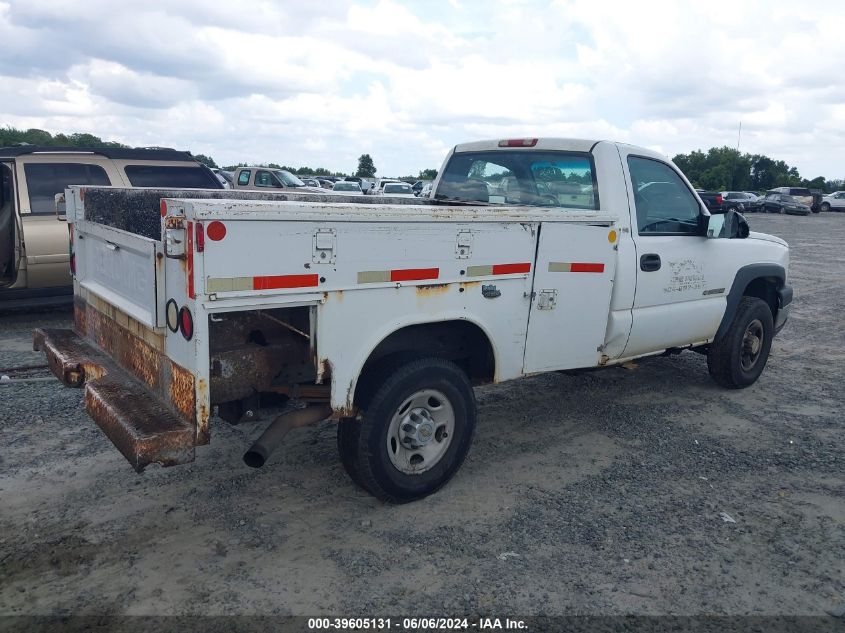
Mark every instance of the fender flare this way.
pixel 745 276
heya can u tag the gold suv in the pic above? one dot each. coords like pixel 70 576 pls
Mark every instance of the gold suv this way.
pixel 34 261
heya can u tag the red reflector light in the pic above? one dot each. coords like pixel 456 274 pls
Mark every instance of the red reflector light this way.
pixel 200 239
pixel 518 142
pixel 216 231
pixel 186 323
pixel 163 208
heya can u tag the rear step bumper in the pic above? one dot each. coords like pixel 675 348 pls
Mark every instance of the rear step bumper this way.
pixel 143 428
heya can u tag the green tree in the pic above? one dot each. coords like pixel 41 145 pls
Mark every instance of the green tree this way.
pixel 723 168
pixel 33 136
pixel 427 174
pixel 205 160
pixel 366 167
pixel 816 183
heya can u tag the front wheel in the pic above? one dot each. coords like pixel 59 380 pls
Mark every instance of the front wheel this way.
pixel 738 358
pixel 415 433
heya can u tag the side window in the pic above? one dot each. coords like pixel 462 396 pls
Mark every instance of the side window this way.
pixel 664 203
pixel 243 178
pixel 171 176
pixel 45 180
pixel 263 179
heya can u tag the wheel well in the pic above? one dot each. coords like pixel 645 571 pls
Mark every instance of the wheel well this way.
pixel 462 342
pixel 765 288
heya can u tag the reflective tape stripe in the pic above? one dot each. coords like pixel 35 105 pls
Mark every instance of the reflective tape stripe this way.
pixel 266 282
pixel 498 269
pixel 400 274
pixel 414 274
pixel 575 267
pixel 272 282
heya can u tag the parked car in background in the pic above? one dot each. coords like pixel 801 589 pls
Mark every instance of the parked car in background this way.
pixel 398 190
pixel 801 195
pixel 227 176
pixel 833 202
pixel 426 190
pixel 311 182
pixel 34 256
pixel 347 188
pixel 713 200
pixel 738 200
pixel 327 184
pixel 264 178
pixel 418 186
pixel 776 202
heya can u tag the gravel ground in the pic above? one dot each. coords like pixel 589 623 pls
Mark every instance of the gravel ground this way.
pixel 594 494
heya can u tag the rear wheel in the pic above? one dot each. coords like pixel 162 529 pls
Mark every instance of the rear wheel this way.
pixel 825 206
pixel 415 431
pixel 738 358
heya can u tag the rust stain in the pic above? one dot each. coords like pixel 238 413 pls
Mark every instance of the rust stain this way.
pixel 203 434
pixel 182 394
pixel 432 289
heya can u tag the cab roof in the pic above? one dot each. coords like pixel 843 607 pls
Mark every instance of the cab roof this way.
pixel 118 153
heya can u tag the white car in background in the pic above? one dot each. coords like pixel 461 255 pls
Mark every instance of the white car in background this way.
pixel 833 201
pixel 347 188
pixel 397 190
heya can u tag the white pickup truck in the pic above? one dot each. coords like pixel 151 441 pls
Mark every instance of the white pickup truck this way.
pixel 382 314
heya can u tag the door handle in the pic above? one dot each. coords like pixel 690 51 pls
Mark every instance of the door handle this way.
pixel 650 262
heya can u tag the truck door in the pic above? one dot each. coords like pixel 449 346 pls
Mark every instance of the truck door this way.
pixel 9 239
pixel 682 276
pixel 573 281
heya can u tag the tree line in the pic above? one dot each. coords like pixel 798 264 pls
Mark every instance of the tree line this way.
pixel 726 169
pixel 718 169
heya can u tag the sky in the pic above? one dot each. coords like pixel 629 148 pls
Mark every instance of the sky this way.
pixel 320 83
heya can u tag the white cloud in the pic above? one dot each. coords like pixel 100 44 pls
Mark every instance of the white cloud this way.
pixel 319 85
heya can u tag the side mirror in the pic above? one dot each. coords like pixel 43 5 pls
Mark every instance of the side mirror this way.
pixel 61 207
pixel 730 225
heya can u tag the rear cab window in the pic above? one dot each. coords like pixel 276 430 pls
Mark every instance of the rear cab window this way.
pixel 45 180
pixel 535 178
pixel 172 176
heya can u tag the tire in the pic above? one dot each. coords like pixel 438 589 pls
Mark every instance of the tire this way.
pixel 415 431
pixel 734 209
pixel 737 360
pixel 825 206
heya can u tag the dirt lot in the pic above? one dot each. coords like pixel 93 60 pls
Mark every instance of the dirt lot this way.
pixel 599 493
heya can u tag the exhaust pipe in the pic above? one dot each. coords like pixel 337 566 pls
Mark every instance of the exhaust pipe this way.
pixel 269 441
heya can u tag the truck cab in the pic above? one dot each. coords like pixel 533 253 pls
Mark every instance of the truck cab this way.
pixel 34 257
pixel 269 179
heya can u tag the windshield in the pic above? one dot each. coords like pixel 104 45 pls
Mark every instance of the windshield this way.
pixel 346 186
pixel 397 188
pixel 289 179
pixel 537 178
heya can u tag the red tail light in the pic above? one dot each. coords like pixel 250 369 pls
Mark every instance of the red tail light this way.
pixel 518 142
pixel 186 323
pixel 719 198
pixel 200 239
